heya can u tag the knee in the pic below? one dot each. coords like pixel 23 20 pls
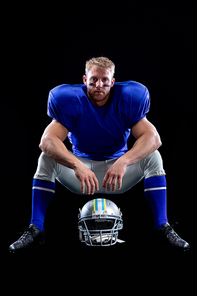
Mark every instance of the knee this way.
pixel 153 165
pixel 46 168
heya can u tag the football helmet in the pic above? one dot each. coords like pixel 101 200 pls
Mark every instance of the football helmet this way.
pixel 99 222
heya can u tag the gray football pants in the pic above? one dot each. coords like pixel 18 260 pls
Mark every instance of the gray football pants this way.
pixel 49 170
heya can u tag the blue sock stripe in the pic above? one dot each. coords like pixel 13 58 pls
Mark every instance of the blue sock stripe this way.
pixel 43 185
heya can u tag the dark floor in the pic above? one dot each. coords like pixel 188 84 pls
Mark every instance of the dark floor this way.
pixel 62 258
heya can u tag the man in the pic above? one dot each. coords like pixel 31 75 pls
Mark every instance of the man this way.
pixel 98 117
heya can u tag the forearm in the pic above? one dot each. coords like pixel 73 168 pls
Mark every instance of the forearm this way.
pixel 144 146
pixel 53 147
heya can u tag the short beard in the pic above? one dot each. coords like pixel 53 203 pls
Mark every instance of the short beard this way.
pixel 94 99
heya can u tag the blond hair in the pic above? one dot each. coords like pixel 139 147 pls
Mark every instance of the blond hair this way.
pixel 101 62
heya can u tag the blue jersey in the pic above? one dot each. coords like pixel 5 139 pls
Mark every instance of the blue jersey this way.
pixel 99 133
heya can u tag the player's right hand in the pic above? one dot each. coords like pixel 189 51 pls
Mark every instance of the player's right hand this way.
pixel 87 178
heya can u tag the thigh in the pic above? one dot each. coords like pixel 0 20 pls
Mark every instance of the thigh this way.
pixel 133 175
pixel 68 179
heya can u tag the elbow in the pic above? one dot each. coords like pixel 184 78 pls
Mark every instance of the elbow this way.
pixel 155 140
pixel 44 144
pixel 158 142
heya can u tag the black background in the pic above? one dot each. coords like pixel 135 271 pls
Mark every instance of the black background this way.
pixel 43 46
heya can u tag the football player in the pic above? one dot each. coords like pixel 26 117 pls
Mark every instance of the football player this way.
pixel 98 117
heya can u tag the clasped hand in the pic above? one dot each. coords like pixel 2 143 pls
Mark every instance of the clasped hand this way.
pixel 112 177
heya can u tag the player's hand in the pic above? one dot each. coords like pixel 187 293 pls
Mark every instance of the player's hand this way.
pixel 86 177
pixel 113 175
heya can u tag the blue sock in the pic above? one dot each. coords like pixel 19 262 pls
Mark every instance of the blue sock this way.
pixel 42 194
pixel 155 192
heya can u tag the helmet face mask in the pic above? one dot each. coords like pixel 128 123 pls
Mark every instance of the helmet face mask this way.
pixel 99 223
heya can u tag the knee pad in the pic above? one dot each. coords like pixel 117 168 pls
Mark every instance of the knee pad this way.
pixel 153 165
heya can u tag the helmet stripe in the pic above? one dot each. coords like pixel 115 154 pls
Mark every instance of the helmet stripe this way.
pixel 103 204
pixel 95 204
pixel 99 204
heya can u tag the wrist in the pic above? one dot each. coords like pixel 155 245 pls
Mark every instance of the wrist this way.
pixel 76 163
pixel 123 160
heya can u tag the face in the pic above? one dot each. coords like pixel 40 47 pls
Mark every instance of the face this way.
pixel 99 82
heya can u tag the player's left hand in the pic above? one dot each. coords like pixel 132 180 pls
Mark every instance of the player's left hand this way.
pixel 113 175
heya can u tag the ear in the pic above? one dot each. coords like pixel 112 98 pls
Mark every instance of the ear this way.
pixel 85 79
pixel 112 82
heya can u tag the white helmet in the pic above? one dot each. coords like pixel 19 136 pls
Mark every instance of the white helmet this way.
pixel 99 222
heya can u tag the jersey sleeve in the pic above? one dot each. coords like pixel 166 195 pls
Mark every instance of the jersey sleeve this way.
pixel 59 110
pixel 139 107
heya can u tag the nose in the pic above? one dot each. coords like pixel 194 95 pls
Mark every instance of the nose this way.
pixel 99 83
